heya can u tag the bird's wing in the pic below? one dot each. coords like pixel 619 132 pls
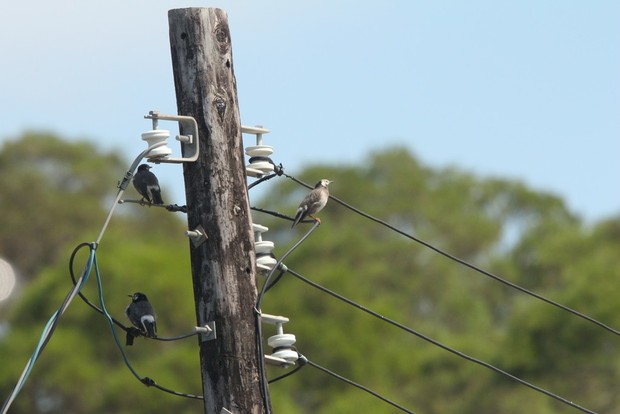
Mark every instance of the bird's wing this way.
pixel 302 212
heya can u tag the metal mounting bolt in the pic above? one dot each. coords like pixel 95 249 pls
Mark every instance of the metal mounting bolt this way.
pixel 197 236
pixel 207 332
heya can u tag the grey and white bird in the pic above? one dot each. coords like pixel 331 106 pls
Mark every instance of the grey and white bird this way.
pixel 147 185
pixel 313 202
pixel 141 314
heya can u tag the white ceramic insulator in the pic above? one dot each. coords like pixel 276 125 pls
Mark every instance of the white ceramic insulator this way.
pixel 264 247
pixel 259 228
pixel 156 136
pixel 252 172
pixel 259 151
pixel 286 354
pixel 266 262
pixel 262 166
pixel 274 319
pixel 284 340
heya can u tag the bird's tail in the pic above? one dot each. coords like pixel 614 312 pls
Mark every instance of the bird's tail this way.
pixel 157 197
pixel 150 326
pixel 151 329
pixel 296 221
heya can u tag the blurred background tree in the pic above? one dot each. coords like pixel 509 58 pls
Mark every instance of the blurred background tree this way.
pixel 52 192
pixel 60 198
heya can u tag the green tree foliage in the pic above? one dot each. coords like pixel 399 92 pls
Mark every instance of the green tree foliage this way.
pixel 81 370
pixel 52 191
pixel 527 236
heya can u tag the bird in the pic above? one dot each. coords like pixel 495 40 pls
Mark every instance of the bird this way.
pixel 147 185
pixel 141 314
pixel 313 202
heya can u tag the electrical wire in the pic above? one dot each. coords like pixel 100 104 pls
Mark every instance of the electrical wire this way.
pixel 278 171
pixel 355 384
pixel 149 382
pixel 437 343
pixel 123 186
pixel 47 333
pixel 174 208
pixel 276 280
pixel 257 312
pixel 273 213
pixel 467 264
pixel 52 323
pixel 300 362
pixel 128 330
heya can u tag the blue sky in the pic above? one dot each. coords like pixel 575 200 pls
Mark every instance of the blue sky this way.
pixel 519 89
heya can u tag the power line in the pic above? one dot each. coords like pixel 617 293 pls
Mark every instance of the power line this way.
pixel 465 263
pixel 301 362
pixel 355 384
pixel 52 323
pixel 48 331
pixel 149 382
pixel 437 343
pixel 131 332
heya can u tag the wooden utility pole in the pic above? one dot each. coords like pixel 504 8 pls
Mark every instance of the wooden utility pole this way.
pixel 223 266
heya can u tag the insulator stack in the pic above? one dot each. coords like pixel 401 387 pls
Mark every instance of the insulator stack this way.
pixel 283 350
pixel 259 163
pixel 265 260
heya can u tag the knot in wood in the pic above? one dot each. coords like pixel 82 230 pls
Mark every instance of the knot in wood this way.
pixel 220 106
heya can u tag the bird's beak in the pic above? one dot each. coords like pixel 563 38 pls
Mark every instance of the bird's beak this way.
pixel 131 296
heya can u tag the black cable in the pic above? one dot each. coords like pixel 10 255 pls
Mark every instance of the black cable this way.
pixel 264 178
pixel 273 213
pixel 467 264
pixel 437 343
pixel 80 294
pixel 281 215
pixel 149 382
pixel 300 362
pixel 128 330
pixel 276 280
pixel 67 299
pixel 173 208
pixel 259 334
pixel 361 387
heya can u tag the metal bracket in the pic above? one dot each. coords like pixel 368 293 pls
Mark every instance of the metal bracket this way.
pixel 207 332
pixel 189 141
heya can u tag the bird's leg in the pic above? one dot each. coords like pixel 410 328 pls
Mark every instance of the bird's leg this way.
pixel 318 220
pixel 145 202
